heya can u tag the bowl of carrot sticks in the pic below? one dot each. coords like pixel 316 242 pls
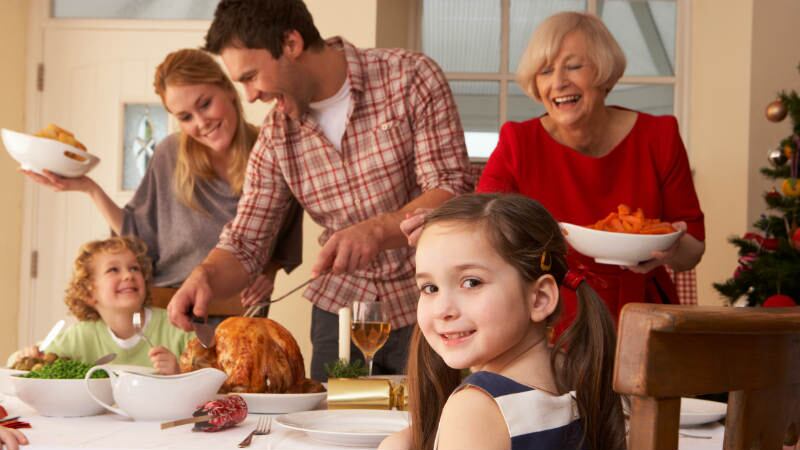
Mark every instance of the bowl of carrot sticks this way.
pixel 625 237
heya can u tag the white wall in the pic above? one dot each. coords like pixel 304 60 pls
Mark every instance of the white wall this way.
pixel 743 52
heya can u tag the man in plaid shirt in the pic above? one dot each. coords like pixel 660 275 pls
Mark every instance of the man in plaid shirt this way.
pixel 361 138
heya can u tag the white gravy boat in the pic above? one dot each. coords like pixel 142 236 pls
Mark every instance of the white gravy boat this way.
pixel 141 396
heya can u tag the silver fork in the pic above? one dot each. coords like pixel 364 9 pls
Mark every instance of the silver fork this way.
pixel 263 426
pixel 695 436
pixel 137 325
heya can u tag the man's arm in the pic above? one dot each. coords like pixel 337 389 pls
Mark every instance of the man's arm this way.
pixel 355 246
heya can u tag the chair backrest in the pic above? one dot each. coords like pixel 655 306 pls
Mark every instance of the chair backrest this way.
pixel 665 352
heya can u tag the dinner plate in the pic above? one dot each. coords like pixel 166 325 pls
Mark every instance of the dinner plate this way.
pixel 347 427
pixel 282 403
pixel 695 411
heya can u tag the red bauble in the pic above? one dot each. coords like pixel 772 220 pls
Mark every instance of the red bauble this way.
pixel 779 301
pixel 773 194
pixel 770 244
pixel 796 239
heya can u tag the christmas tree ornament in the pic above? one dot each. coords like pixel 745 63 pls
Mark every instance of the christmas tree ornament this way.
pixel 796 239
pixel 766 243
pixel 776 111
pixel 773 194
pixel 791 187
pixel 788 150
pixel 779 301
pixel 777 157
pixel 745 264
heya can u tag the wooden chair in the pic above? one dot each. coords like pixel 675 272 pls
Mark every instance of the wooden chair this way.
pixel 665 352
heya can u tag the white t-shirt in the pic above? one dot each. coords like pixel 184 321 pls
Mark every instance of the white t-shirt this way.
pixel 131 342
pixel 331 114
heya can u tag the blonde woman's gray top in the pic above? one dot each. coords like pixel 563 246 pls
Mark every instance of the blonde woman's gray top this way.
pixel 178 237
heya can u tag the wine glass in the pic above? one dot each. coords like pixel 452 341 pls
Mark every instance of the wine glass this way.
pixel 370 328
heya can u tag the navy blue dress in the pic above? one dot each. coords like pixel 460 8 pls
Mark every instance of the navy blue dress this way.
pixel 536 420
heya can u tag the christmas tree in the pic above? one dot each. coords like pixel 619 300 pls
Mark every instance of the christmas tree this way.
pixel 769 262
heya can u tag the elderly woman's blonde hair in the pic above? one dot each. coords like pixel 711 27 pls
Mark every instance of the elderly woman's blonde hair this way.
pixel 545 43
pixel 79 290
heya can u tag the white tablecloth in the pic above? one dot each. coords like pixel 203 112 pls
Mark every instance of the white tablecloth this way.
pixel 112 432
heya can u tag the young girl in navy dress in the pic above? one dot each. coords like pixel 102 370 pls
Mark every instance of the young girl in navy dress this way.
pixel 489 268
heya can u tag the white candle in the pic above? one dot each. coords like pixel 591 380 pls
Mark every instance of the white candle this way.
pixel 344 333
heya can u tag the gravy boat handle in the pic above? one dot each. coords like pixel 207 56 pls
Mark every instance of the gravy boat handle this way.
pixel 113 377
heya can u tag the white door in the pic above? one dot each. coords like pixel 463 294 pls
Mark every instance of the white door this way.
pixel 91 70
pixel 89 74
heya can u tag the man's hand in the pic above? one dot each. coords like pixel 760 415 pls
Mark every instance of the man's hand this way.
pixel 192 297
pixel 260 289
pixel 350 249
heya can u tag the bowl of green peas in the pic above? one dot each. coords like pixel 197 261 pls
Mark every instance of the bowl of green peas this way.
pixel 57 389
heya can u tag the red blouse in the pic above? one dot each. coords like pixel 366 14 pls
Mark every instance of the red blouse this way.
pixel 648 169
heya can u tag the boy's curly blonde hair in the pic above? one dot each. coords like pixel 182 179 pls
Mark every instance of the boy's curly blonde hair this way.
pixel 79 290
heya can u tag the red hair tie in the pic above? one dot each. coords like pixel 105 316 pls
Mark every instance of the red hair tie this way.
pixel 575 276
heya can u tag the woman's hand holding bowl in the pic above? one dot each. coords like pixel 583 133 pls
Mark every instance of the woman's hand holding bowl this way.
pixel 59 183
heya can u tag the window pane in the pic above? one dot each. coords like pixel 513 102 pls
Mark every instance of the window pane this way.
pixel 652 99
pixel 462 35
pixel 526 15
pixel 520 106
pixel 478 107
pixel 645 30
pixel 134 9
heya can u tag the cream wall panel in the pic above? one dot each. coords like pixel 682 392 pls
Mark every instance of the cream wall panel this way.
pixel 13 22
pixel 719 127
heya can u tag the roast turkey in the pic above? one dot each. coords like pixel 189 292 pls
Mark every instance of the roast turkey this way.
pixel 258 354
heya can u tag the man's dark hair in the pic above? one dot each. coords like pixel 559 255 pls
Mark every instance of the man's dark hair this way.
pixel 260 24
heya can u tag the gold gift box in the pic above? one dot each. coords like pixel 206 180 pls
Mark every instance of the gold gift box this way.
pixel 367 393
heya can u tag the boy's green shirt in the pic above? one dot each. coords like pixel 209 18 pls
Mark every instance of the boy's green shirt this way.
pixel 88 340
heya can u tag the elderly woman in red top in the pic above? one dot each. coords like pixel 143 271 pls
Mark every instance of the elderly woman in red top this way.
pixel 583 158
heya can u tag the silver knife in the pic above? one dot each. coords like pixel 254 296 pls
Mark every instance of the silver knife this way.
pixel 204 331
pixel 51 335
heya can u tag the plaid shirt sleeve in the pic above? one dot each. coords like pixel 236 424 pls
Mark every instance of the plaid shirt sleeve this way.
pixel 440 151
pixel 265 199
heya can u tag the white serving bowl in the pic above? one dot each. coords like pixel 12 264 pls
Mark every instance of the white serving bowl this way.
pixel 6 387
pixel 622 249
pixel 37 154
pixel 62 398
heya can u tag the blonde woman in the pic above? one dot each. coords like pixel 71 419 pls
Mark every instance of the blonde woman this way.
pixel 583 158
pixel 194 180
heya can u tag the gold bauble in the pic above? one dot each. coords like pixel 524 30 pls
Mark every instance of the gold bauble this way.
pixel 791 187
pixel 787 150
pixel 776 111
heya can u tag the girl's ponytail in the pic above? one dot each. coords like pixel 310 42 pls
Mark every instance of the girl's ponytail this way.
pixel 430 383
pixel 584 362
